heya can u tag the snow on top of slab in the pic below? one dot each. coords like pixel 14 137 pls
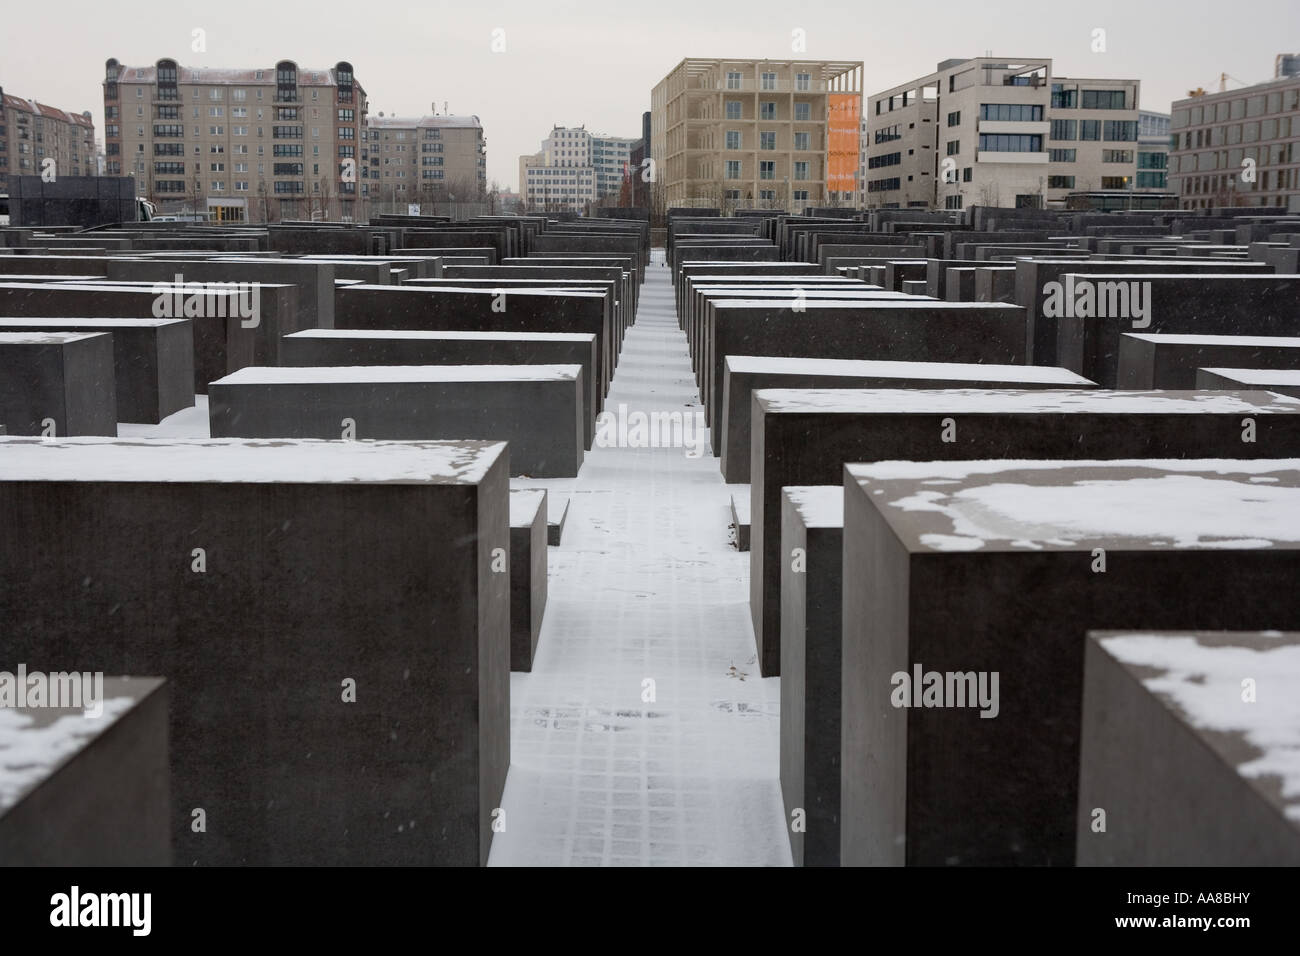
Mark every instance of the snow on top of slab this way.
pixel 89 323
pixel 423 334
pixel 298 461
pixel 1014 400
pixel 331 374
pixel 1147 503
pixel 698 281
pixel 868 298
pixel 31 751
pixel 739 494
pixel 1169 338
pixel 524 504
pixel 831 294
pixel 1261 377
pixel 821 506
pixel 1176 276
pixel 483 290
pixel 44 338
pixel 1202 680
pixel 930 370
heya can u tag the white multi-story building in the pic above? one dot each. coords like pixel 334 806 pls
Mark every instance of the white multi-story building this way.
pixel 1153 151
pixel 572 169
pixel 997 132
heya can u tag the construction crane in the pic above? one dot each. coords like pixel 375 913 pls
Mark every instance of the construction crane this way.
pixel 1223 85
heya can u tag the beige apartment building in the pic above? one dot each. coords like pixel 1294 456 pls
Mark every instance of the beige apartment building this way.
pixel 274 143
pixel 997 132
pixel 31 132
pixel 762 133
pixel 1239 147
pixel 429 159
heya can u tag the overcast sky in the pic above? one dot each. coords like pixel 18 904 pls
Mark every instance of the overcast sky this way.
pixel 571 63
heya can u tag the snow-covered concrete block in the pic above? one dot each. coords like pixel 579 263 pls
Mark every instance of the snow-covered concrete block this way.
pixel 536 408
pixel 527 574
pixel 332 618
pixel 84 774
pixel 1190 748
pixel 350 347
pixel 1088 332
pixel 812 525
pixel 906 330
pixel 969 588
pixel 746 374
pixel 1171 361
pixel 1279 381
pixel 486 310
pixel 56 383
pixel 804 436
pixel 153 361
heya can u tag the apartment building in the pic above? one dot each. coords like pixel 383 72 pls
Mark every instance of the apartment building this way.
pixel 1238 147
pixel 776 133
pixel 31 132
pixel 1153 151
pixel 255 144
pixel 562 174
pixel 436 158
pixel 998 132
pixel 610 158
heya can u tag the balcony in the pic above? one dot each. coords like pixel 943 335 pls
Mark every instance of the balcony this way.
pixel 1010 158
pixel 1027 127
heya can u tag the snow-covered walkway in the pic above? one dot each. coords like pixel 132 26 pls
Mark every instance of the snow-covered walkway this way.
pixel 645 588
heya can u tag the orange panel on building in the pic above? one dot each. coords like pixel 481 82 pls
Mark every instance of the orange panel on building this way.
pixel 842 141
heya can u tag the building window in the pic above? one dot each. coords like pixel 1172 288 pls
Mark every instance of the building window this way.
pixel 1011 112
pixel 954 119
pixel 733 109
pixel 733 81
pixel 769 81
pixel 1114 182
pixel 1103 99
pixel 767 169
pixel 952 202
pixel 801 141
pixel 802 112
pixel 767 111
pixel 733 139
pixel 1089 130
pixel 1124 131
pixel 801 169
pixel 1063 99
pixel 1065 130
pixel 1010 143
pixel 767 140
pixel 954 147
pixel 1060 182
pixel 1117 155
pixel 801 195
pixel 733 169
pixel 803 82
pixel 1061 155
pixel 968 174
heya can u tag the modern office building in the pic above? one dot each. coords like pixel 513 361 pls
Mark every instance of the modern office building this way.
pixel 255 144
pixel 437 158
pixel 562 174
pixel 1153 151
pixel 610 158
pixel 1239 147
pixel 31 132
pixel 996 132
pixel 775 133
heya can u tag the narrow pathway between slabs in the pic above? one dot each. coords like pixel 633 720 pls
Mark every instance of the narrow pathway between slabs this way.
pixel 645 587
